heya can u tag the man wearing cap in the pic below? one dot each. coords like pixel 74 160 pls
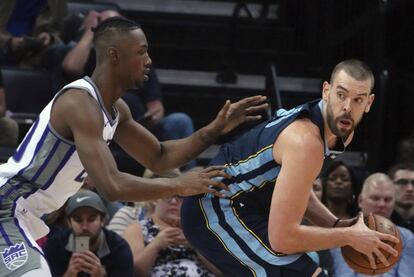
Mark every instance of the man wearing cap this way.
pixel 108 254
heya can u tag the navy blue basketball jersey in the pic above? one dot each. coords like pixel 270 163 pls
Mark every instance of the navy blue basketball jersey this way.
pixel 249 158
pixel 232 231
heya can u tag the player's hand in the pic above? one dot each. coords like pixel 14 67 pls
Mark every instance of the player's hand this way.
pixel 196 182
pixel 370 242
pixel 235 114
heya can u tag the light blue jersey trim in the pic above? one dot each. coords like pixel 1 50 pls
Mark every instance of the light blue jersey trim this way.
pixel 228 241
pixel 252 241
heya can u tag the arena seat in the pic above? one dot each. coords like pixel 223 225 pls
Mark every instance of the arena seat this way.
pixel 84 7
pixel 27 90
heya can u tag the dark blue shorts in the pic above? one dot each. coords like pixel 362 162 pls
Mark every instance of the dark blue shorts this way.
pixel 234 238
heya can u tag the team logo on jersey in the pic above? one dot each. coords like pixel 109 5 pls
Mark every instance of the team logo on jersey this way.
pixel 14 256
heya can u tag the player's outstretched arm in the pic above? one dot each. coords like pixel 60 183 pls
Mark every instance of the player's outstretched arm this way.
pixel 158 157
pixel 77 116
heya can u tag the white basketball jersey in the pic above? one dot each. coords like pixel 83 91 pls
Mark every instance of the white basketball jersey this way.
pixel 46 170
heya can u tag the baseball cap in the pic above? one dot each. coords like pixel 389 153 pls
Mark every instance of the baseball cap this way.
pixel 85 198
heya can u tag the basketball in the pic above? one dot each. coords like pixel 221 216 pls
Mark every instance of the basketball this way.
pixel 359 262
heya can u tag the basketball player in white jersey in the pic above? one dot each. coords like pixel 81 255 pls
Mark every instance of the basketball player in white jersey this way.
pixel 70 138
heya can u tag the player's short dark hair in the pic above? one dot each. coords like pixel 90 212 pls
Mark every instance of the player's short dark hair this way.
pixel 116 24
pixel 357 69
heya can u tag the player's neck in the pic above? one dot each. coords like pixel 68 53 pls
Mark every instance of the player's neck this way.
pixel 109 89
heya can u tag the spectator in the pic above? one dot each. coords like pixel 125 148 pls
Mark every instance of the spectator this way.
pixel 377 197
pixel 108 254
pixel 338 189
pixel 318 188
pixel 159 246
pixel 145 104
pixel 403 176
pixel 9 129
pixel 28 28
pixel 405 152
pixel 124 217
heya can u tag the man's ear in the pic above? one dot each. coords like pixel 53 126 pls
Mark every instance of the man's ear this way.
pixel 113 54
pixel 68 222
pixel 325 91
pixel 359 201
pixel 371 98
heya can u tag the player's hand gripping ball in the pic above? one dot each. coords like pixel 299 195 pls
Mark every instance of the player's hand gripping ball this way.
pixel 359 262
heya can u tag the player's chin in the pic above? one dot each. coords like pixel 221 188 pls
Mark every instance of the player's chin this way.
pixel 346 131
pixel 138 84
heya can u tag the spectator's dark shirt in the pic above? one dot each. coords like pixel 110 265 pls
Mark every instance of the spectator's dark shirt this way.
pixel 398 220
pixel 117 262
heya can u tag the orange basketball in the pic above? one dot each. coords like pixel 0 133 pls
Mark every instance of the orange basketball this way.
pixel 359 262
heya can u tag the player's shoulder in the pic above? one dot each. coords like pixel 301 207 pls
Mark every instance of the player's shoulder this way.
pixel 304 133
pixel 302 140
pixel 75 96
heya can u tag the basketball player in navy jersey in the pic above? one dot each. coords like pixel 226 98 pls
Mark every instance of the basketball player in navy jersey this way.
pixel 70 138
pixel 256 229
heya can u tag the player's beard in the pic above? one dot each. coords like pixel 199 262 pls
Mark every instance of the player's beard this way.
pixel 333 124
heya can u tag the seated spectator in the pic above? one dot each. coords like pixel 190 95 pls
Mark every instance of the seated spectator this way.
pixel 159 246
pixel 108 254
pixel 377 197
pixel 318 188
pixel 126 216
pixel 28 28
pixel 9 129
pixel 145 103
pixel 338 189
pixel 403 176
